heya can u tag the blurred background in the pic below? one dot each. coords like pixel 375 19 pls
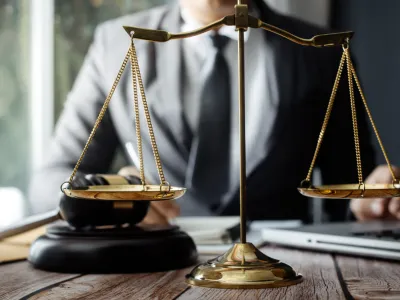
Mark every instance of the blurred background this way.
pixel 43 44
pixel 42 47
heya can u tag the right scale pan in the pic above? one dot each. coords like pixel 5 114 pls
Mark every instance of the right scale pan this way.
pixel 360 189
pixel 350 191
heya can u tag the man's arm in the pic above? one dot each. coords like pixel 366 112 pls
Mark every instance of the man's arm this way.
pixel 72 131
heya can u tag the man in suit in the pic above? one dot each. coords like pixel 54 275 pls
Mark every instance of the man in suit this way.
pixel 287 91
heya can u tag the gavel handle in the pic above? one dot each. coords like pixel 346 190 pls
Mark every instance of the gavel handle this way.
pixel 30 223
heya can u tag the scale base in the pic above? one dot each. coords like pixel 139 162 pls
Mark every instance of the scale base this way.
pixel 243 267
pixel 113 250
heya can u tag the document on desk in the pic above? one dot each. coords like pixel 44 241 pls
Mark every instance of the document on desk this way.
pixel 212 235
pixel 17 247
pixel 215 235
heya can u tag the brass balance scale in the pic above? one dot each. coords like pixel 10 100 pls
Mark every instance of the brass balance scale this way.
pixel 243 266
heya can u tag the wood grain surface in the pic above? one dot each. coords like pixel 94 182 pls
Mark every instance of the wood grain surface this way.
pixel 325 277
pixel 370 278
pixel 120 286
pixel 19 279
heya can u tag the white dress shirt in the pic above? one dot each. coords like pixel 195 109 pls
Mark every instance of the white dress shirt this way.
pixel 260 91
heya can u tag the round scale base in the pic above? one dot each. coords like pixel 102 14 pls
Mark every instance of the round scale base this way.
pixel 243 267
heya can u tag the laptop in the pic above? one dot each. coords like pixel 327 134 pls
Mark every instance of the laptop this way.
pixel 379 239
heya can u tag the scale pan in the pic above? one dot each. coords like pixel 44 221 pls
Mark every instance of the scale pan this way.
pixel 126 192
pixel 350 191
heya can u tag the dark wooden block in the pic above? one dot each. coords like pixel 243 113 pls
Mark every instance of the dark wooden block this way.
pixel 113 250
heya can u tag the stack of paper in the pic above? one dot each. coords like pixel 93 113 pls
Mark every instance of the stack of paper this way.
pixel 215 235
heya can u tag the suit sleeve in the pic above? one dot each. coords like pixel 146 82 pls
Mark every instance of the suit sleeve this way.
pixel 338 157
pixel 72 131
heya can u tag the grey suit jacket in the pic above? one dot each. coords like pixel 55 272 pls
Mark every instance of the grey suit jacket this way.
pixel 304 78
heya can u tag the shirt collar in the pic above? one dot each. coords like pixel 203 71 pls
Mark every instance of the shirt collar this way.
pixel 189 24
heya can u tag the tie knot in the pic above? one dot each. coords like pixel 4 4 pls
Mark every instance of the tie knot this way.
pixel 219 41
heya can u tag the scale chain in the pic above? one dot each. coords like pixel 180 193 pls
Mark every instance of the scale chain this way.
pixel 354 117
pixel 137 116
pixel 136 80
pixel 351 75
pixel 357 81
pixel 327 116
pixel 100 116
pixel 154 147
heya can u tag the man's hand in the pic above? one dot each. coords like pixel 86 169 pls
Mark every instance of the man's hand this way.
pixel 386 208
pixel 159 211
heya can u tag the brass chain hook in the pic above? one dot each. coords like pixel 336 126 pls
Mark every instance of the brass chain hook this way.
pixel 346 44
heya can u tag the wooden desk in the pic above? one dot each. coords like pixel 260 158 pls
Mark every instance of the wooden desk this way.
pixel 325 277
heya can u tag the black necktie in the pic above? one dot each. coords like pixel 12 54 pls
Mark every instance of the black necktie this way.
pixel 210 177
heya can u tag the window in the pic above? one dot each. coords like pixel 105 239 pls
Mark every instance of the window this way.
pixel 14 94
pixel 42 46
pixel 75 22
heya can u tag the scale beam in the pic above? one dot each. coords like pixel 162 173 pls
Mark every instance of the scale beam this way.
pixel 321 40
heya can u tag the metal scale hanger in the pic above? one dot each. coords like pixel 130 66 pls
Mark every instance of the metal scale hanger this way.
pixel 243 266
pixel 121 192
pixel 360 189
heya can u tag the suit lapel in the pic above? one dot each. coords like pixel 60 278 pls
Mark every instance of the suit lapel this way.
pixel 286 87
pixel 160 67
pixel 168 103
pixel 284 62
pixel 162 70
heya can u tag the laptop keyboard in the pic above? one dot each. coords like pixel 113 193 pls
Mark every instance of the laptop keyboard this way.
pixel 391 234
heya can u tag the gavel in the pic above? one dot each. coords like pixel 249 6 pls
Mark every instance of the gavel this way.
pixel 80 213
pixel 83 213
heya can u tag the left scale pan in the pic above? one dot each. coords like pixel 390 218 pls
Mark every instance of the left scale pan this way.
pixel 126 192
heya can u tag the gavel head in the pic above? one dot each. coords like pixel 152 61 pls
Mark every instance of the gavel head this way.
pixel 80 213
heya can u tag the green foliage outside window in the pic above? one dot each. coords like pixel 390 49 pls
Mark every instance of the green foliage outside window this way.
pixel 14 97
pixel 75 22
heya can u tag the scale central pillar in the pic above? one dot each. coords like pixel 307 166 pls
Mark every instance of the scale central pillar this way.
pixel 243 266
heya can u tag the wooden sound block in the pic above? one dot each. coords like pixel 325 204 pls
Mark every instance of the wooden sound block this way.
pixel 113 250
